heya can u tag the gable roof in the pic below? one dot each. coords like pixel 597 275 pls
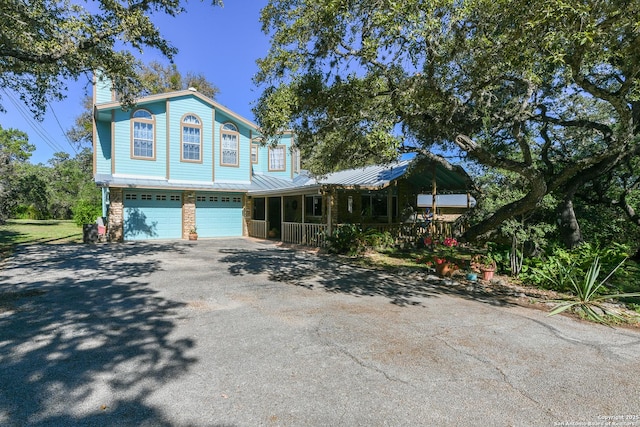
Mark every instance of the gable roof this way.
pixel 102 111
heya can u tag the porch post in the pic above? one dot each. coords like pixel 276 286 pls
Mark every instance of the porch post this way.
pixel 389 205
pixel 434 193
pixel 266 217
pixel 329 213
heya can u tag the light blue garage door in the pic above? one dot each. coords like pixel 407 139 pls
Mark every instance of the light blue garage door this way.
pixel 219 214
pixel 152 215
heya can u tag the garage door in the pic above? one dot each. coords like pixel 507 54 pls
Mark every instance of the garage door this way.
pixel 152 215
pixel 219 214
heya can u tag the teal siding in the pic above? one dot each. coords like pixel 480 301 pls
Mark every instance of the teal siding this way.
pixel 152 215
pixel 124 163
pixel 241 173
pixel 103 147
pixel 263 159
pixel 190 171
pixel 103 90
pixel 219 214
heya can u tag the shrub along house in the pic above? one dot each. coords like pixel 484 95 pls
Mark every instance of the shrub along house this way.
pixel 180 161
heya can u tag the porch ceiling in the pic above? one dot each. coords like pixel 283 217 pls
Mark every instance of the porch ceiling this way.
pixel 448 179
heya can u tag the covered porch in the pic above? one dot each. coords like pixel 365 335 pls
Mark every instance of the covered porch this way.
pixel 406 199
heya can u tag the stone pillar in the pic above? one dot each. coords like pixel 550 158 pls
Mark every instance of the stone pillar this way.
pixel 247 213
pixel 116 215
pixel 188 213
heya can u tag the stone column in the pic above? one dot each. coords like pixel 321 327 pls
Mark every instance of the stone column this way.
pixel 116 215
pixel 188 213
pixel 247 213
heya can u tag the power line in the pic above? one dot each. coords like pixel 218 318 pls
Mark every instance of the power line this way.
pixel 63 131
pixel 37 127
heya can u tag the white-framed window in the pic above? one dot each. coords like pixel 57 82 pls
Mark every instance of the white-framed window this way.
pixel 313 206
pixel 295 160
pixel 191 138
pixel 142 135
pixel 146 197
pixel 175 198
pixel 277 158
pixel 229 144
pixel 254 153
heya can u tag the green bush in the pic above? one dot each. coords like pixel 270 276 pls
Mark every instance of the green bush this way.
pixel 345 239
pixel 350 239
pixel 86 212
pixel 557 269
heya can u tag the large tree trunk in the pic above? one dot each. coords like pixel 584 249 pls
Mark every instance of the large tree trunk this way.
pixel 526 204
pixel 569 226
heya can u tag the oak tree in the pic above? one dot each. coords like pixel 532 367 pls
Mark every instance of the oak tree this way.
pixel 547 90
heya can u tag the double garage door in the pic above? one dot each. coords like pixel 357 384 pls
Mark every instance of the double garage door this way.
pixel 158 215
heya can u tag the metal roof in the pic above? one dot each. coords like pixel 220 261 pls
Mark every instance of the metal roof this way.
pixel 369 176
pixel 418 171
pixel 258 183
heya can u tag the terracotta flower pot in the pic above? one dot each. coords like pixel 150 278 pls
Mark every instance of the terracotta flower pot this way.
pixel 445 269
pixel 487 274
pixel 193 236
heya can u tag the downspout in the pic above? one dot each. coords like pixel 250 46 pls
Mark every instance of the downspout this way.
pixel 105 201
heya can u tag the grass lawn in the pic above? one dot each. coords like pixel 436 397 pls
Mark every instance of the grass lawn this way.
pixel 28 232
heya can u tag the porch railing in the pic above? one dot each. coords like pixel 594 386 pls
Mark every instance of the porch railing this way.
pixel 304 234
pixel 411 231
pixel 316 234
pixel 258 229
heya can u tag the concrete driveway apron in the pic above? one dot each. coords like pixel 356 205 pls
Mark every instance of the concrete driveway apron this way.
pixel 238 332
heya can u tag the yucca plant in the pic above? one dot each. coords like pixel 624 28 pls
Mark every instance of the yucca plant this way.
pixel 586 297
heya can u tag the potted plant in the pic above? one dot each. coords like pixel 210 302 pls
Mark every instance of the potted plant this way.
pixel 487 266
pixel 445 257
pixel 193 233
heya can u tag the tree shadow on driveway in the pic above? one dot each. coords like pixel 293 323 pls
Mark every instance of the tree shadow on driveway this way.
pixel 83 338
pixel 402 288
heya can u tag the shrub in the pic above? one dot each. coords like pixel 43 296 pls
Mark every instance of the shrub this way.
pixel 587 292
pixel 350 239
pixel 345 239
pixel 556 269
pixel 86 212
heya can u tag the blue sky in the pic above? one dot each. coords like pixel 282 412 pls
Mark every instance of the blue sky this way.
pixel 221 43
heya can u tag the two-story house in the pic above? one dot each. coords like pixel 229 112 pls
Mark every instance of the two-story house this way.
pixel 180 161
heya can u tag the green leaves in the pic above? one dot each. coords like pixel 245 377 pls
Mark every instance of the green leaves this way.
pixel 588 298
pixel 44 42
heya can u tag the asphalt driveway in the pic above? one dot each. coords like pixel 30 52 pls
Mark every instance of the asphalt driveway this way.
pixel 243 333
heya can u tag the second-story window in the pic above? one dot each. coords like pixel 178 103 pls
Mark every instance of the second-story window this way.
pixel 229 142
pixel 295 160
pixel 191 138
pixel 254 153
pixel 143 135
pixel 277 158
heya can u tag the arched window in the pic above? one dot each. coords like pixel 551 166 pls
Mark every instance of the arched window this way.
pixel 191 138
pixel 143 135
pixel 229 145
